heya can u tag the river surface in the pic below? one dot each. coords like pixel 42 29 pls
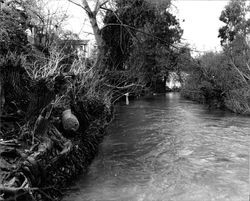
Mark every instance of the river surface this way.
pixel 165 148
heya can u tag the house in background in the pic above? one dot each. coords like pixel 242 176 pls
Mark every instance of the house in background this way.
pixel 38 38
pixel 80 46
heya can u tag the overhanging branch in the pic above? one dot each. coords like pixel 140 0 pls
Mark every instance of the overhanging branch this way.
pixel 77 4
pixel 124 87
pixel 98 6
pixel 131 27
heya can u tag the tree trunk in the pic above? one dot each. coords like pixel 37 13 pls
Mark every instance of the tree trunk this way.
pixel 93 21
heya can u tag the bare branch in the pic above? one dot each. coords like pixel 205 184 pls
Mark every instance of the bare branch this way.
pixel 86 7
pixel 98 6
pixel 88 32
pixel 107 9
pixel 103 3
pixel 124 87
pixel 77 4
pixel 243 75
pixel 151 35
pixel 248 66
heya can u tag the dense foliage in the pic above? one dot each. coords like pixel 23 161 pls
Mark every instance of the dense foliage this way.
pixel 35 92
pixel 13 24
pixel 136 49
pixel 139 37
pixel 223 79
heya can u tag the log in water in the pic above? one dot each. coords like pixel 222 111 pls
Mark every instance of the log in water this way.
pixel 165 148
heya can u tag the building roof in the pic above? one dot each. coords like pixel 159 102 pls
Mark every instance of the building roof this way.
pixel 74 42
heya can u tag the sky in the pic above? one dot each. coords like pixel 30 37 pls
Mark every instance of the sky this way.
pixel 201 22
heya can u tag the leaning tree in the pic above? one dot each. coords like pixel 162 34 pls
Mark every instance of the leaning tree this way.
pixel 235 36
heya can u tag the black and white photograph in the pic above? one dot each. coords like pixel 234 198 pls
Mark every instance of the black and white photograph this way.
pixel 124 100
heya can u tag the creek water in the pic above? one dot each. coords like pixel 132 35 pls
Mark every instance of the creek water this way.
pixel 165 148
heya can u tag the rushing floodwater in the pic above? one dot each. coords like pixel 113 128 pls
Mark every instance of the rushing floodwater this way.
pixel 165 148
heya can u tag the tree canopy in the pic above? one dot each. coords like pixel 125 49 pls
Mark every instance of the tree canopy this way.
pixel 225 76
pixel 236 22
pixel 140 37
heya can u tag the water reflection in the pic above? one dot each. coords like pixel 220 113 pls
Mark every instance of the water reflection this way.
pixel 165 148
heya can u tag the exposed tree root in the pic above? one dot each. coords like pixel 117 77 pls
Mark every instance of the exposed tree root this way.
pixel 38 155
